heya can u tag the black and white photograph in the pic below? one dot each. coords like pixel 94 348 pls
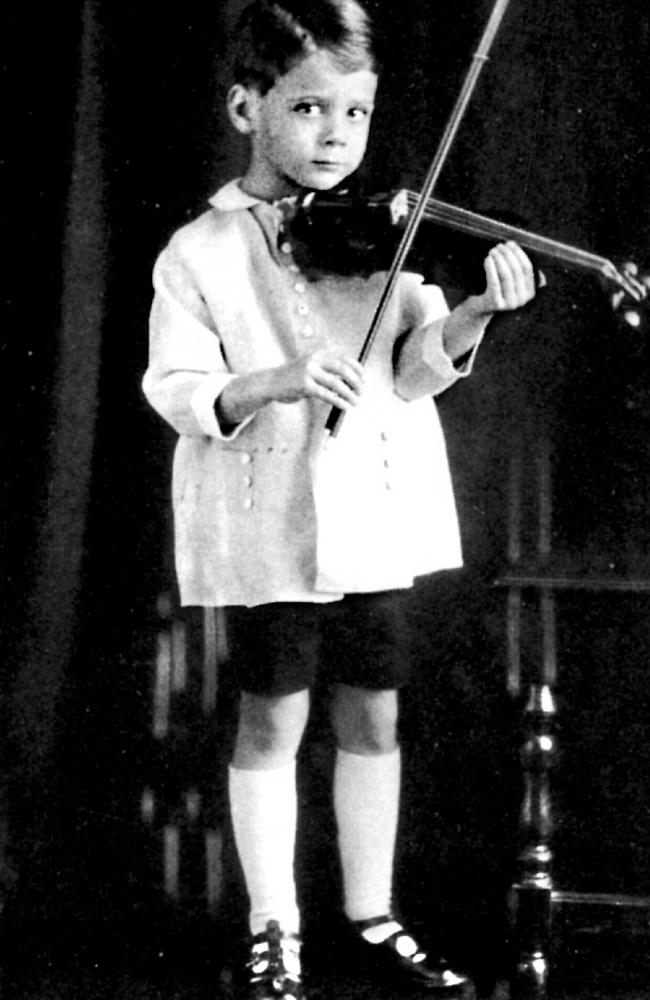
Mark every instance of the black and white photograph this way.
pixel 325 534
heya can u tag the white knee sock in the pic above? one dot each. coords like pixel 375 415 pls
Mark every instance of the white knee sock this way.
pixel 264 809
pixel 366 804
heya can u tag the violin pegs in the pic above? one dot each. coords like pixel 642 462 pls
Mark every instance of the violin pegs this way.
pixel 635 283
pixel 627 282
pixel 631 292
pixel 632 318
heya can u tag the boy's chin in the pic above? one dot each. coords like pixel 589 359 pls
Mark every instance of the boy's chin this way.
pixel 324 183
pixel 321 180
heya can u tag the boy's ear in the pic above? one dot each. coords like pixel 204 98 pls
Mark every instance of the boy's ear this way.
pixel 240 103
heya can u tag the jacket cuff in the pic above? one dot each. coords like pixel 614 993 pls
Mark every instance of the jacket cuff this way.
pixel 436 357
pixel 465 364
pixel 203 406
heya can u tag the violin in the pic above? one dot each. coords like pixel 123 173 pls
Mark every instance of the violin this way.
pixel 346 233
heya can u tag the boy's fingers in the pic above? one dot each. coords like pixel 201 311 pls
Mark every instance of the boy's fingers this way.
pixel 526 269
pixel 341 387
pixel 514 273
pixel 333 360
pixel 492 276
pixel 333 381
pixel 336 392
pixel 334 399
pixel 505 272
pixel 351 373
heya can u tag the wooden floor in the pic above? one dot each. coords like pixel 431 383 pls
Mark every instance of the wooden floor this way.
pixel 137 963
pixel 98 983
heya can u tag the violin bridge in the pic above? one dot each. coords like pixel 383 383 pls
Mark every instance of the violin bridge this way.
pixel 399 209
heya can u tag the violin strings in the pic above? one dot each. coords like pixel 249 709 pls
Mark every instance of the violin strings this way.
pixel 477 225
pixel 531 241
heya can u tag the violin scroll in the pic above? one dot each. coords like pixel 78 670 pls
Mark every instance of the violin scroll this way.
pixel 632 290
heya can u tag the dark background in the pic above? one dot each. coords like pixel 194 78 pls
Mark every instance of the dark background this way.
pixel 114 135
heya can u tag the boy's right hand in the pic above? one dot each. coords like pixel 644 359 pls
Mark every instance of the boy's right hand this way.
pixel 327 375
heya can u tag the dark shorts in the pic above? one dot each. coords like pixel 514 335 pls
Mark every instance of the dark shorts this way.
pixel 361 640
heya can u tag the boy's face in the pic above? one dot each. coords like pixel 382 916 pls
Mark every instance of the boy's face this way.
pixel 309 130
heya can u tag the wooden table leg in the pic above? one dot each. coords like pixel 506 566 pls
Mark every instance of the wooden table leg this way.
pixel 531 894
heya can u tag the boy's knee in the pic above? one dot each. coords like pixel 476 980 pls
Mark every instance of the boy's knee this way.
pixel 365 722
pixel 270 729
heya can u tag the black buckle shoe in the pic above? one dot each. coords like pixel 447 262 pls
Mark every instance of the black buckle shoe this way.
pixel 399 960
pixel 273 968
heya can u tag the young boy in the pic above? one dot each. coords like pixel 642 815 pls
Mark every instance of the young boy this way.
pixel 311 544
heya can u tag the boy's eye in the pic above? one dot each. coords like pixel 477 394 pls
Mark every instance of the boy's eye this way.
pixel 358 113
pixel 308 108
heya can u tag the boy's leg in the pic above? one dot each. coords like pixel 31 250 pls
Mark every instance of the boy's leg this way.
pixel 367 647
pixel 366 802
pixel 273 650
pixel 262 792
pixel 262 788
pixel 366 797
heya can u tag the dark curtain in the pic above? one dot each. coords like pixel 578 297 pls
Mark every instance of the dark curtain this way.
pixel 115 136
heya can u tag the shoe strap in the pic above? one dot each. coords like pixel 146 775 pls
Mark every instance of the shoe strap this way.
pixel 399 939
pixel 365 925
pixel 405 945
pixel 275 949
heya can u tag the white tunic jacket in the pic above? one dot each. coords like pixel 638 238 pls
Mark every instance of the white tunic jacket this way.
pixel 275 510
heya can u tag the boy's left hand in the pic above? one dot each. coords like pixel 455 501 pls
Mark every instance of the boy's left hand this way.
pixel 510 280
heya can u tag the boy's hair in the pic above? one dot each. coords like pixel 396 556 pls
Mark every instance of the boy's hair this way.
pixel 272 38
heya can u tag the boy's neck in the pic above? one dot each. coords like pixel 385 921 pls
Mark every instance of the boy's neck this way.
pixel 267 193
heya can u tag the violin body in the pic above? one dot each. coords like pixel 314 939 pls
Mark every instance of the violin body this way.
pixel 343 233
pixel 349 234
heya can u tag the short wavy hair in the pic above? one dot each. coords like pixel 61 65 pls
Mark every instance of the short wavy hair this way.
pixel 271 38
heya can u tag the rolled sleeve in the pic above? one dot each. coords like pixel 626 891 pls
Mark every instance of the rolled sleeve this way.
pixel 424 368
pixel 435 356
pixel 187 371
pixel 203 403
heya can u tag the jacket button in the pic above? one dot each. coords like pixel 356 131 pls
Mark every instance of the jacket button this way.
pixel 248 503
pixel 245 458
pixel 286 247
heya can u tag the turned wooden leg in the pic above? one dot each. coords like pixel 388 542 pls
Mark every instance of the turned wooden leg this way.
pixel 531 894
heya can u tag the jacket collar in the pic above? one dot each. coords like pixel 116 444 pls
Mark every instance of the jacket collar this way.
pixel 230 197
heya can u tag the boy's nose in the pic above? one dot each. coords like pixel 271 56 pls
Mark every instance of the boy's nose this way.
pixel 334 131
